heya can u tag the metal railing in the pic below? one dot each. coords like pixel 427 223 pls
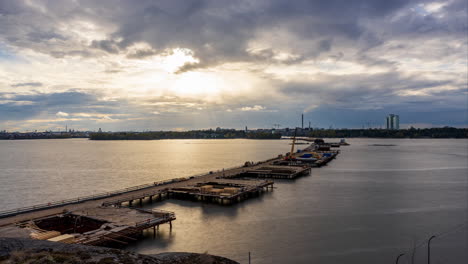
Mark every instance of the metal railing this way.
pixel 165 217
pixel 81 199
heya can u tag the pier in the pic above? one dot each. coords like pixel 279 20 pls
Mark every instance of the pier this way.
pixel 97 226
pixel 112 218
pixel 275 171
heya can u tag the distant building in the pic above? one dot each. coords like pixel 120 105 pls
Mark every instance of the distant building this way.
pixel 393 122
pixel 302 121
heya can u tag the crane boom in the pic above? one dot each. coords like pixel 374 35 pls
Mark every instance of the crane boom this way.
pixel 292 146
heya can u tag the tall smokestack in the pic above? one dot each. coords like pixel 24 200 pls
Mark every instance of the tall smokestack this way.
pixel 302 121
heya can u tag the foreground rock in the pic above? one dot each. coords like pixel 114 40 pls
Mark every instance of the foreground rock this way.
pixel 15 250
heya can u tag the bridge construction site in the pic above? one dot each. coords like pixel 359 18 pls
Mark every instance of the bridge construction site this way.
pixel 115 218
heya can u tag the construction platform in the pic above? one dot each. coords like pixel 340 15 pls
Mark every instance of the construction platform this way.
pixel 96 226
pixel 275 172
pixel 223 192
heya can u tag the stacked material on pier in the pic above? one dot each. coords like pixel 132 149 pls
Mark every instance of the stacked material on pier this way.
pixel 115 233
pixel 160 213
pixel 44 235
pixel 306 157
pixel 206 188
pixel 323 146
pixel 217 191
pixel 231 190
pixel 66 238
pixel 224 191
pixel 278 172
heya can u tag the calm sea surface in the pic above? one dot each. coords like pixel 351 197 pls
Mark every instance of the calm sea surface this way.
pixel 367 206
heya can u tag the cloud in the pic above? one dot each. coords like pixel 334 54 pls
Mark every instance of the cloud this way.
pixel 30 84
pixel 200 26
pixel 252 108
pixel 61 114
pixel 64 104
pixel 109 46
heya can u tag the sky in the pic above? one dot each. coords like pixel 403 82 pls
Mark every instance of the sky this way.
pixel 127 65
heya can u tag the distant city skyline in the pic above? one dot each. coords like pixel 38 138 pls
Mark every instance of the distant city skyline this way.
pixel 393 122
pixel 369 124
pixel 168 65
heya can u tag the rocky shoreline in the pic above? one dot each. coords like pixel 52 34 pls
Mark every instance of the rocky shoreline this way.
pixel 19 250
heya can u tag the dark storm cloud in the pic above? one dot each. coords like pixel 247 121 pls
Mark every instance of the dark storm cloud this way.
pixel 41 36
pixel 19 107
pixel 220 31
pixel 217 31
pixel 106 45
pixel 59 99
pixel 377 91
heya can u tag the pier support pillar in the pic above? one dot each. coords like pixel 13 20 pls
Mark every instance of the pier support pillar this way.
pixel 170 225
pixel 141 201
pixel 130 202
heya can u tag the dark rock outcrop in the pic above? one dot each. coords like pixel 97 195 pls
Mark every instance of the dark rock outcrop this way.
pixel 17 250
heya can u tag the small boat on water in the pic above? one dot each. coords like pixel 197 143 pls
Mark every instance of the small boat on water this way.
pixel 343 142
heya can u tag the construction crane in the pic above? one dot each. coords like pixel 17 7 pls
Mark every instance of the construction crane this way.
pixel 290 157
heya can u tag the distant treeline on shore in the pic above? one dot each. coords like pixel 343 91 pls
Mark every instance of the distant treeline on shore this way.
pixel 196 134
pixel 43 135
pixel 444 132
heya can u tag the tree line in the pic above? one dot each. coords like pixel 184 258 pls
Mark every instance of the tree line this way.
pixel 196 134
pixel 444 132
